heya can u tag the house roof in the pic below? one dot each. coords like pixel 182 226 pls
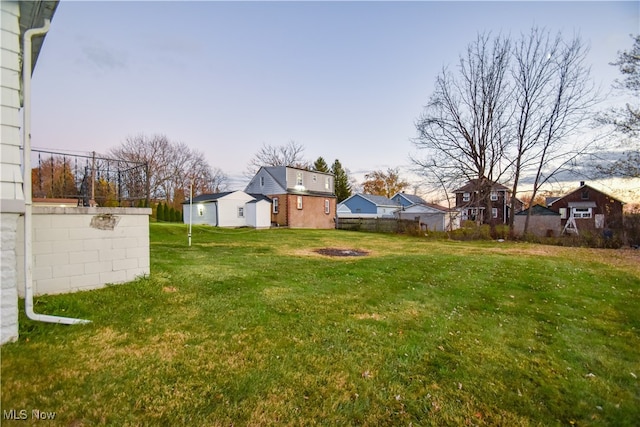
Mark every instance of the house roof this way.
pixel 411 198
pixel 208 197
pixel 32 15
pixel 582 187
pixel 474 184
pixel 417 207
pixel 215 196
pixel 539 210
pixel 378 200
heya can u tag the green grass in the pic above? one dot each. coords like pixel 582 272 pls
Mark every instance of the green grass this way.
pixel 253 328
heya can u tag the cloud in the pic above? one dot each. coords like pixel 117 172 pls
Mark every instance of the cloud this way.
pixel 104 57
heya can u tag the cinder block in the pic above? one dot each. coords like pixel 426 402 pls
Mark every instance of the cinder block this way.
pixel 51 286
pixel 124 242
pixel 113 254
pixel 43 273
pixel 138 252
pixel 97 244
pixel 84 257
pixel 125 264
pixel 98 267
pixel 71 221
pixel 113 277
pixel 85 282
pixel 45 260
pixel 68 270
pixel 42 247
pixel 51 234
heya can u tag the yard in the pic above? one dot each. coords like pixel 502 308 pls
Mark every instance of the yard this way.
pixel 256 328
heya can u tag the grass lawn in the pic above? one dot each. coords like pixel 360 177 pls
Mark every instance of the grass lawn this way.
pixel 254 328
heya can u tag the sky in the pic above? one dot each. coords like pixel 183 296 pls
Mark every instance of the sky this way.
pixel 346 80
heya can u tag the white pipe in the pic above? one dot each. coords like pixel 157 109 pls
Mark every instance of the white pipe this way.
pixel 190 209
pixel 28 219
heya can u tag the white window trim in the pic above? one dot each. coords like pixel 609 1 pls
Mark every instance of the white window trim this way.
pixel 240 211
pixel 327 206
pixel 494 212
pixel 299 180
pixel 275 205
pixel 299 202
pixel 583 213
pixel 494 196
pixel 466 197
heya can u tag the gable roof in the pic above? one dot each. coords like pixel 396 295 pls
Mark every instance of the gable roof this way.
pixel 412 198
pixel 203 198
pixel 474 184
pixel 539 210
pixel 425 207
pixel 378 200
pixel 581 188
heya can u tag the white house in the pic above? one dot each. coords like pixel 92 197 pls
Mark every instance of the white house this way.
pixel 432 217
pixel 229 209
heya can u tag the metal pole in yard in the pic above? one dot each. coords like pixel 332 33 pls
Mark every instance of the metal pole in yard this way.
pixel 190 209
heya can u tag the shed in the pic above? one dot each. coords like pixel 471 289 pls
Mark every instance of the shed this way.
pixel 543 222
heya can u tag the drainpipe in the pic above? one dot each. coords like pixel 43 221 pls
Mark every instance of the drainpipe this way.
pixel 28 218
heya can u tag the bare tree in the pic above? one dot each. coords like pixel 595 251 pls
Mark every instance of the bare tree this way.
pixel 463 130
pixel 553 96
pixel 172 167
pixel 625 121
pixel 290 154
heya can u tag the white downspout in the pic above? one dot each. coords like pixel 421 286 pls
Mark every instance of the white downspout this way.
pixel 28 219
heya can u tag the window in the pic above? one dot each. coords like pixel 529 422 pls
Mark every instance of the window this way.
pixel 466 197
pixel 299 202
pixel 563 213
pixel 582 212
pixel 327 183
pixel 494 212
pixel 314 178
pixel 200 210
pixel 262 181
pixel 585 194
pixel 299 178
pixel 240 212
pixel 494 196
pixel 275 205
pixel 327 206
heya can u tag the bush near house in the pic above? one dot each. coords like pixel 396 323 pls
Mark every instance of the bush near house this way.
pixel 255 328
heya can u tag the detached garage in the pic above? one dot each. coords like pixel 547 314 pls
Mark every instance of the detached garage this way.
pixel 228 209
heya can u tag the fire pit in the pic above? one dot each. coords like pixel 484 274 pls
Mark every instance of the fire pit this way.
pixel 341 252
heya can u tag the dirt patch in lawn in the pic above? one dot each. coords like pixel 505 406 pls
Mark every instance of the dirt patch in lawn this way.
pixel 338 252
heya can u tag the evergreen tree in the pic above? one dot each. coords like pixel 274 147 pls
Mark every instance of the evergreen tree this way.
pixel 342 185
pixel 320 165
pixel 165 213
pixel 160 212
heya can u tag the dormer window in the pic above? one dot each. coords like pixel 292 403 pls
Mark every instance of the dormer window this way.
pixel 466 197
pixel 494 196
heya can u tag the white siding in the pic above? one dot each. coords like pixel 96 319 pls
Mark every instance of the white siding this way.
pixel 11 195
pixel 207 209
pixel 10 176
pixel 228 209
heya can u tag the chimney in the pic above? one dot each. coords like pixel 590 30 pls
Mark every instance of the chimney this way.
pixel 581 183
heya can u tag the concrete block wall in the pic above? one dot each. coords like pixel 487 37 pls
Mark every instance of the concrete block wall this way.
pixel 8 273
pixel 82 248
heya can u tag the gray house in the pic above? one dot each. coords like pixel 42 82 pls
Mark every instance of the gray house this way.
pixel 543 222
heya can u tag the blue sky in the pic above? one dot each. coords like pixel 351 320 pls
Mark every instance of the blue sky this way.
pixel 347 80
